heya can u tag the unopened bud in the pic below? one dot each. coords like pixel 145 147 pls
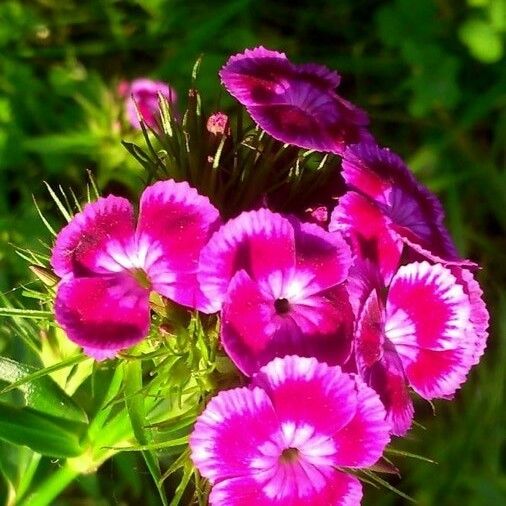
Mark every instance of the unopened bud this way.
pixel 217 124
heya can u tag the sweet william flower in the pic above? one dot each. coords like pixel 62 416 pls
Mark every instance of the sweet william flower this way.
pixel 284 440
pixel 279 285
pixel 426 333
pixel 108 266
pixel 141 96
pixel 386 209
pixel 295 104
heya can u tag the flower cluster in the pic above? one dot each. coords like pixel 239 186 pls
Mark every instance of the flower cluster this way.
pixel 332 314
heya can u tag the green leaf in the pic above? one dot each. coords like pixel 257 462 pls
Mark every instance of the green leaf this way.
pixel 39 432
pixel 402 453
pixel 136 411
pixel 380 481
pixel 483 42
pixel 43 394
pixel 34 314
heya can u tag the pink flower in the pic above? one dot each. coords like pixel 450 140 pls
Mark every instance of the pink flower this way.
pixel 108 267
pixel 284 440
pixel 218 124
pixel 144 93
pixel 387 209
pixel 296 104
pixel 279 285
pixel 427 332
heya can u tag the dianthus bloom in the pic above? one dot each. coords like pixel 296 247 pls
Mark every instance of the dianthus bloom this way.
pixel 144 92
pixel 279 285
pixel 295 104
pixel 108 266
pixel 386 208
pixel 427 331
pixel 285 440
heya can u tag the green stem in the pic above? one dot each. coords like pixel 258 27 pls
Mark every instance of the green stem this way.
pixel 52 487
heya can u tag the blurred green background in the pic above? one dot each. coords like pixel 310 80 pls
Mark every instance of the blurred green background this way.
pixel 431 74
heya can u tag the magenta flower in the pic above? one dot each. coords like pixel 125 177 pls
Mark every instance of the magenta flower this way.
pixel 295 104
pixel 284 440
pixel 108 267
pixel 144 93
pixel 387 209
pixel 279 285
pixel 428 332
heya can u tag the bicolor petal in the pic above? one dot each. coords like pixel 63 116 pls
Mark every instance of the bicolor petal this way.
pixel 368 229
pixel 428 322
pixel 295 104
pixel 92 242
pixel 175 222
pixel 103 314
pixel 246 242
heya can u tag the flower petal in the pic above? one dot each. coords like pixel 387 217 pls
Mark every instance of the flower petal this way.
pixel 325 255
pixel 428 321
pixel 250 328
pixel 81 247
pixel 103 314
pixel 246 242
pixel 381 368
pixel 368 229
pixel 369 337
pixel 387 378
pixel 228 434
pixel 175 222
pixel 340 490
pixel 253 333
pixel 416 214
pixel 143 97
pixel 305 391
pixel 362 440
pixel 295 104
pixel 479 314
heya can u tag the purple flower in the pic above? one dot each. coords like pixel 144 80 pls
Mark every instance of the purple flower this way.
pixel 108 266
pixel 387 208
pixel 144 93
pixel 427 332
pixel 279 285
pixel 295 104
pixel 284 440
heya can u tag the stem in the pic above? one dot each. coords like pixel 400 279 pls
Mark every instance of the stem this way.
pixel 52 487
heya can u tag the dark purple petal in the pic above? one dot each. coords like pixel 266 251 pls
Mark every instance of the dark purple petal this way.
pixel 103 314
pixel 296 104
pixel 89 243
pixel 416 214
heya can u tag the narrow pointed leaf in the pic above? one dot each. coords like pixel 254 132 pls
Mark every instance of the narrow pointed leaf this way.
pixel 42 394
